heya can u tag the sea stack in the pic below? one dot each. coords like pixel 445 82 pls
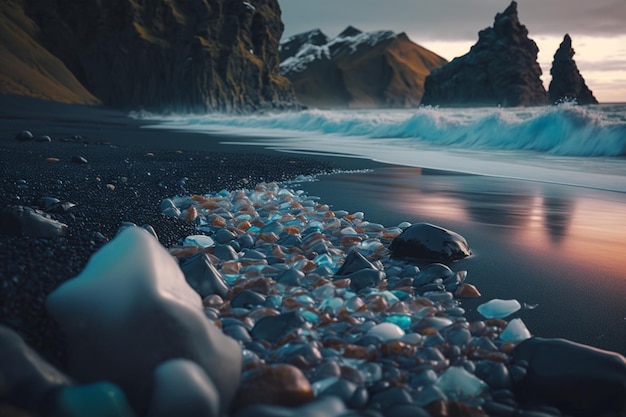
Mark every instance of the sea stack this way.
pixel 501 69
pixel 567 82
pixel 357 69
pixel 184 56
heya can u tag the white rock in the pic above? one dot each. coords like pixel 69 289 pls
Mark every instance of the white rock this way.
pixel 182 388
pixel 458 384
pixel 497 308
pixel 386 331
pixel 199 240
pixel 131 309
pixel 515 331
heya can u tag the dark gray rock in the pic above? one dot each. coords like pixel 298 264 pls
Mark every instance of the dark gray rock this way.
pixel 501 69
pixel 23 136
pixel 272 328
pixel 567 82
pixel 579 380
pixel 322 407
pixel 363 278
pixel 354 262
pixel 247 299
pixel 43 138
pixel 225 252
pixel 25 221
pixel 291 277
pixel 27 380
pixel 432 272
pixel 427 241
pixel 203 277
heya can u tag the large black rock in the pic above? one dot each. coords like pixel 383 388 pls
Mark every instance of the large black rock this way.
pixel 501 69
pixel 427 241
pixel 567 82
pixel 579 380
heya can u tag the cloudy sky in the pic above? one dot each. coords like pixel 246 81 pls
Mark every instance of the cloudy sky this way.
pixel 450 28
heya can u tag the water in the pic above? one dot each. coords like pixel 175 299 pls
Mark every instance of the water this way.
pixel 539 193
pixel 567 144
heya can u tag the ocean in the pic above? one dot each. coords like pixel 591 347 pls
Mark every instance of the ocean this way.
pixel 540 194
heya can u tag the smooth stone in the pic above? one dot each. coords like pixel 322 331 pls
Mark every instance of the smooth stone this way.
pixel 406 410
pixel 26 379
pixel 291 277
pixel 341 388
pixel 386 332
pixel 322 407
pixel 203 277
pixel 281 384
pixel 24 136
pixel 430 273
pixel 495 374
pixel 245 241
pixel 100 399
pixel 498 308
pixel 272 328
pixel 253 254
pixel 25 221
pixel 364 278
pixel 466 290
pixel 77 159
pixel 182 388
pixel 460 385
pixel 427 241
pixel 354 262
pixel 238 332
pixel 156 317
pixel 247 299
pixel 579 380
pixel 223 236
pixel 202 241
pixel 43 138
pixel 225 252
pixel 515 331
pixel 385 399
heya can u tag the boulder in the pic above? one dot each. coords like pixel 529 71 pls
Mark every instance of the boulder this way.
pixel 567 82
pixel 129 311
pixel 25 221
pixel 579 380
pixel 427 241
pixel 501 69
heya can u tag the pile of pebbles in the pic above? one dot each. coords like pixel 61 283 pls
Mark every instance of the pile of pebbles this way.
pixel 298 283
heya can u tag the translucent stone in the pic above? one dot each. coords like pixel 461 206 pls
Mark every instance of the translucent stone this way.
pixel 324 260
pixel 199 240
pixel 404 225
pixel 310 316
pixel 401 320
pixel 101 399
pixel 333 305
pixel 386 331
pixel 389 297
pixel 371 371
pixel 348 231
pixel 323 292
pixel 354 303
pixel 460 385
pixel 515 331
pixel 497 308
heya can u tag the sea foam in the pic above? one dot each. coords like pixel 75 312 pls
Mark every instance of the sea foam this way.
pixel 566 130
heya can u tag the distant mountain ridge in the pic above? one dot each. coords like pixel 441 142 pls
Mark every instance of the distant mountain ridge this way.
pixel 162 55
pixel 356 69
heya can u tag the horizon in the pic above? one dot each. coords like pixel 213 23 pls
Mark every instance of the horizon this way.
pixel 598 38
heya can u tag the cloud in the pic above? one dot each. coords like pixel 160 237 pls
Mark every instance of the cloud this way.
pixel 454 19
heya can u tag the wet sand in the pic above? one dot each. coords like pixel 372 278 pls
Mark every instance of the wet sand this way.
pixel 556 247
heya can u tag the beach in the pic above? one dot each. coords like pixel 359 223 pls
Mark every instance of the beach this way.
pixel 554 248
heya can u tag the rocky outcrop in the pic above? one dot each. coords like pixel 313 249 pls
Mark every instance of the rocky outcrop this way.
pixel 567 83
pixel 501 69
pixel 27 68
pixel 356 69
pixel 163 54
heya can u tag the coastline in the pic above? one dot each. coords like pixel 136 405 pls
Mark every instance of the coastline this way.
pixel 116 147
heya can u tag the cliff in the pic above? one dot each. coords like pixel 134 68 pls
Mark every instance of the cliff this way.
pixel 567 82
pixel 356 69
pixel 164 55
pixel 501 69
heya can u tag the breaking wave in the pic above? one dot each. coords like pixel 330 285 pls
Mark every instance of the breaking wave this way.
pixel 567 129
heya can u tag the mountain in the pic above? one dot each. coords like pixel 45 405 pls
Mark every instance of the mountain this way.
pixel 27 68
pixel 567 83
pixel 501 69
pixel 162 55
pixel 356 69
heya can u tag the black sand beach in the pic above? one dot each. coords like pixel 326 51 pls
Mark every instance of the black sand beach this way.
pixel 539 244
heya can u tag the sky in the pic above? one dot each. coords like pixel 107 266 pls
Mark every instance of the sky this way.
pixel 450 27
